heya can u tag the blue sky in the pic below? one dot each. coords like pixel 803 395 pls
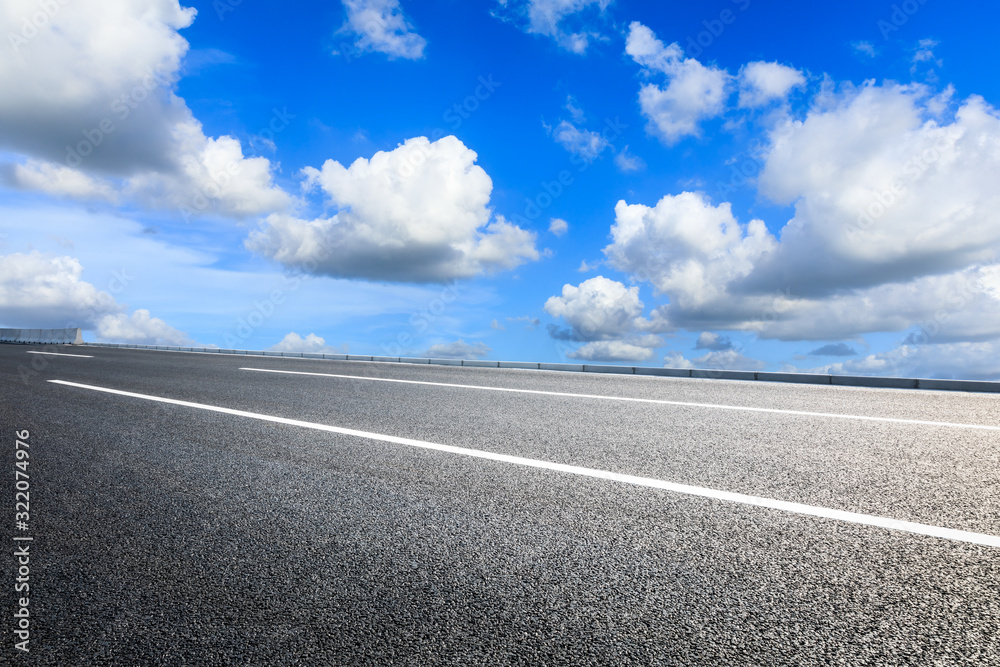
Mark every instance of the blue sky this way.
pixel 731 184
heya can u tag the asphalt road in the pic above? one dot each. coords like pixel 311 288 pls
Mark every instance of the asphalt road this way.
pixel 169 534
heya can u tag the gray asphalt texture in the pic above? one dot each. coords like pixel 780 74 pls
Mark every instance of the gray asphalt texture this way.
pixel 166 535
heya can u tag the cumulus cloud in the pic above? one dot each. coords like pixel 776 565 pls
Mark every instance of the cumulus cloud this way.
pixel 87 123
pixel 312 343
pixel 381 26
pixel 686 247
pixel 550 18
pixel 47 290
pixel 458 349
pixel 894 195
pixel 215 176
pixel 558 226
pixel 605 311
pixel 599 309
pixel 762 83
pixel 896 226
pixel 694 92
pixel 419 213
pixel 43 291
pixel 882 170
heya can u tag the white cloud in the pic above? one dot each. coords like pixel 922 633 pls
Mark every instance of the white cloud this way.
pixel 924 57
pixel 612 350
pixel 47 290
pixel 730 359
pixel 723 360
pixel 56 180
pixel 381 26
pixel 215 176
pixel 418 213
pixel 597 309
pixel 686 247
pixel 677 360
pixel 607 316
pixel 888 193
pixel 312 343
pixel 896 227
pixel 585 144
pixel 574 110
pixel 694 92
pixel 969 361
pixel 762 83
pixel 88 123
pixel 143 261
pixel 138 328
pixel 864 48
pixel 44 291
pixel 951 307
pixel 713 341
pixel 626 162
pixel 458 349
pixel 558 226
pixel 495 325
pixel 549 18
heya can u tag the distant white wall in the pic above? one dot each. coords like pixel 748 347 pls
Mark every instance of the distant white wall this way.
pixel 54 336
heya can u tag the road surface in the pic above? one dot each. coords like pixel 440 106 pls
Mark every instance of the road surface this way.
pixel 208 511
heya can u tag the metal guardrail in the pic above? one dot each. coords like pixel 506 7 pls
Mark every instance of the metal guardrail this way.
pixel 705 373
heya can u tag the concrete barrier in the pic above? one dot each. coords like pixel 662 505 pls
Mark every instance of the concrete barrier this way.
pixel 624 370
pixel 42 336
pixel 523 365
pixel 480 363
pixel 664 372
pixel 798 378
pixel 712 374
pixel 958 385
pixel 871 381
pixel 445 362
pixel 576 368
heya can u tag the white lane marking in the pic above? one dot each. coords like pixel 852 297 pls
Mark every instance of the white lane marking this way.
pixel 796 508
pixel 61 354
pixel 713 406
